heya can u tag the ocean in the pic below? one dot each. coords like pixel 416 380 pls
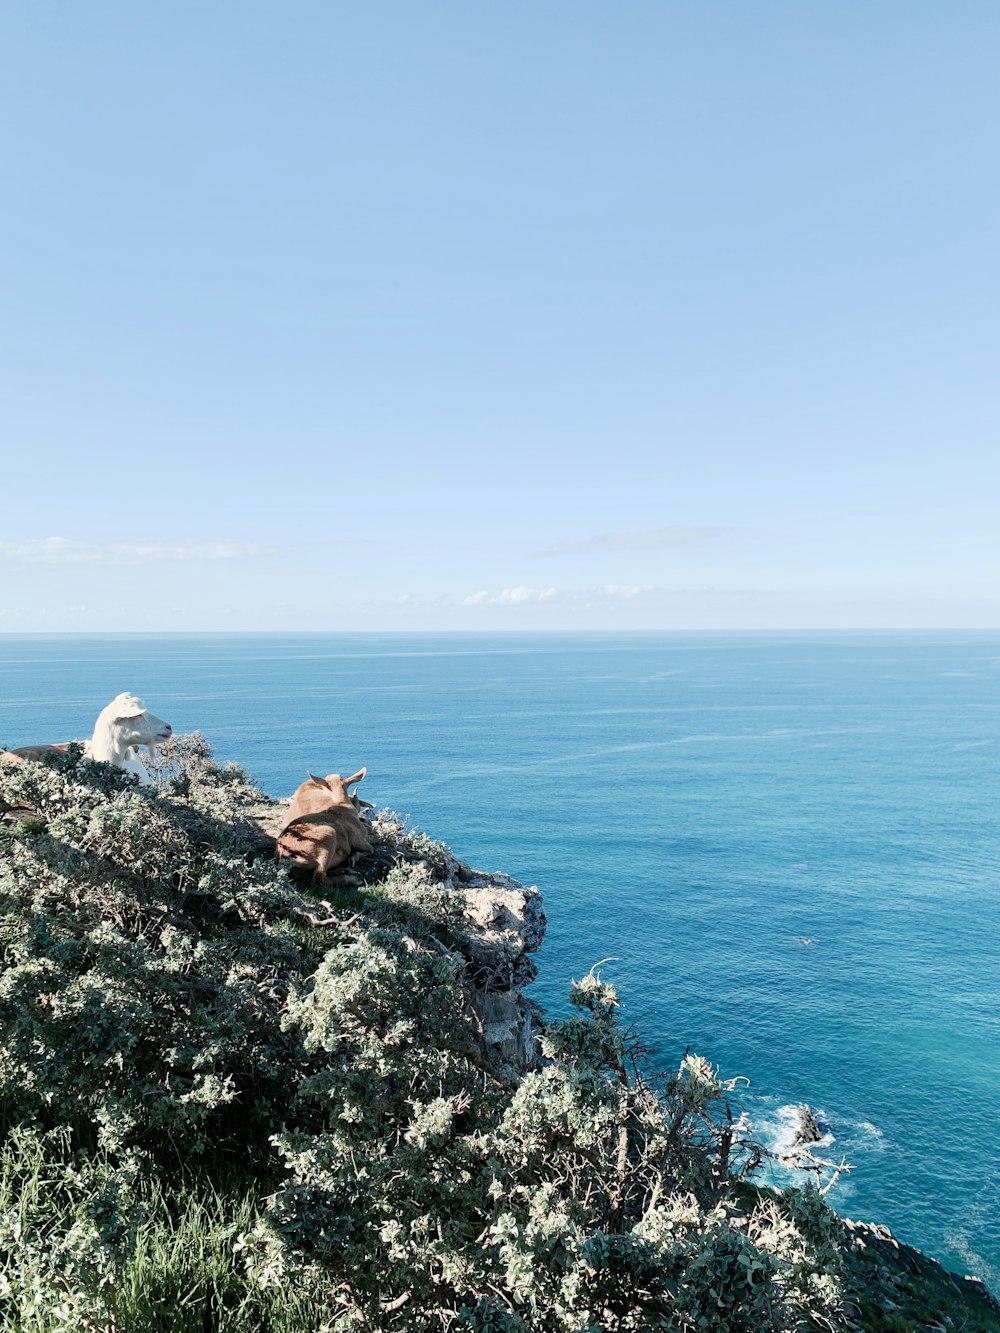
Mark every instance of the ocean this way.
pixel 786 845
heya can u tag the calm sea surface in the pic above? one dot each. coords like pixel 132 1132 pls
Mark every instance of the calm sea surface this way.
pixel 789 843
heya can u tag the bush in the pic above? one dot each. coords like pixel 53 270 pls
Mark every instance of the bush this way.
pixel 185 1034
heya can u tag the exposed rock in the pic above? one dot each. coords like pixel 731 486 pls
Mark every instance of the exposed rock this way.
pixel 808 1130
pixel 504 923
pixel 511 1024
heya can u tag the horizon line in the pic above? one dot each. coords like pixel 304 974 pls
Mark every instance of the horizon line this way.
pixel 507 630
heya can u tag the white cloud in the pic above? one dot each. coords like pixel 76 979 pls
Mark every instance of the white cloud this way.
pixel 514 596
pixel 628 592
pixel 677 534
pixel 511 597
pixel 523 596
pixel 66 551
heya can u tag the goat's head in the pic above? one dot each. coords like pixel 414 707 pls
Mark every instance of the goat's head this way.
pixel 135 724
pixel 125 724
pixel 338 787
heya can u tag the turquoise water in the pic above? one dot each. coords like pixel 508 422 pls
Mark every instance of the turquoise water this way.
pixel 695 806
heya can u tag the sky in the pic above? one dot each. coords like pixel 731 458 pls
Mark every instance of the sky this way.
pixel 559 315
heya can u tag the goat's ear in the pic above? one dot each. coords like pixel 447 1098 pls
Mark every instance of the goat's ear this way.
pixel 349 782
pixel 127 705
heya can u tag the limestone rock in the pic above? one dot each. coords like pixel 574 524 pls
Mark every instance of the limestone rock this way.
pixel 505 923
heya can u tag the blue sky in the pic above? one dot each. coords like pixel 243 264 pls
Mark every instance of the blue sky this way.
pixel 466 316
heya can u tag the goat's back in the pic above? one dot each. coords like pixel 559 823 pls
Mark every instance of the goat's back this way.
pixel 39 751
pixel 323 839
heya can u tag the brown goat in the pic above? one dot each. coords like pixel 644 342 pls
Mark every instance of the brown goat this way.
pixel 35 752
pixel 323 827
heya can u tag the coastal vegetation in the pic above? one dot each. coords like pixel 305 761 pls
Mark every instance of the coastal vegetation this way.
pixel 230 1101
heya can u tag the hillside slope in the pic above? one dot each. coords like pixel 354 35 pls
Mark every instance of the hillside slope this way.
pixel 230 1102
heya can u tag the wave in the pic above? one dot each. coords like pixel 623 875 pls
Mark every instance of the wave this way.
pixel 857 1140
pixel 777 1130
pixel 975 1263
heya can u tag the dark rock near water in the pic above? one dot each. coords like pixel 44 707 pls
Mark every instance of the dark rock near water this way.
pixel 808 1130
pixel 884 1275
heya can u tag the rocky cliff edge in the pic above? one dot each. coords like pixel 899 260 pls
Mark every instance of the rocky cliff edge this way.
pixel 495 923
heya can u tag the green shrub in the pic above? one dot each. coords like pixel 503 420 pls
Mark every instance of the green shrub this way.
pixel 230 1103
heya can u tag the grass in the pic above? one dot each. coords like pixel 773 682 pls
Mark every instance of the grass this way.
pixel 184 1273
pixel 186 1276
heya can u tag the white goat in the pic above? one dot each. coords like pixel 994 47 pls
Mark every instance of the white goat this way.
pixel 120 729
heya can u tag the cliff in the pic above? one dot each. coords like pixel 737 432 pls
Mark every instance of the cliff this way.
pixel 494 923
pixel 894 1288
pixel 231 1101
